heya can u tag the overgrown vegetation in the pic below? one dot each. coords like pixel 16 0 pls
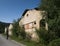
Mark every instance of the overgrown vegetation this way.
pixel 47 38
pixel 18 31
pixel 55 42
pixel 20 36
pixel 52 8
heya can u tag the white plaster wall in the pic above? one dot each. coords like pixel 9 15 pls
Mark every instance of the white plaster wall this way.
pixel 5 30
pixel 33 34
pixel 10 29
pixel 33 15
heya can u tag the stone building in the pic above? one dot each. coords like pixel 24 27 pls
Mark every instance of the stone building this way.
pixel 31 20
pixel 9 29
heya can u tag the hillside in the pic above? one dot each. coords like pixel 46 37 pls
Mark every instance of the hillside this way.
pixel 2 26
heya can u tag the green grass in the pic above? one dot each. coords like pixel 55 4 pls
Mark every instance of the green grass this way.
pixel 27 42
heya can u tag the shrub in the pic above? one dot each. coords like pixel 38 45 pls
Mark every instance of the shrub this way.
pixel 46 36
pixel 22 33
pixel 55 42
pixel 18 31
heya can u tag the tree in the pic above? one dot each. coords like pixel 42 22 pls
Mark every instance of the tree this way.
pixel 18 31
pixel 52 8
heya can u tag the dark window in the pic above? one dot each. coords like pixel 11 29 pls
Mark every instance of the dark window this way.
pixel 34 22
pixel 27 14
pixel 42 23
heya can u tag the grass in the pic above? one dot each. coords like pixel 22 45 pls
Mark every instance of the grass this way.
pixel 26 42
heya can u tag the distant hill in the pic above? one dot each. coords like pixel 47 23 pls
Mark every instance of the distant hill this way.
pixel 2 26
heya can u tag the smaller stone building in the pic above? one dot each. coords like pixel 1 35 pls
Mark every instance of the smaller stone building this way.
pixel 9 29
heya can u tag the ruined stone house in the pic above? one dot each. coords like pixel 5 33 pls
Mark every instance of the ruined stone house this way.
pixel 31 20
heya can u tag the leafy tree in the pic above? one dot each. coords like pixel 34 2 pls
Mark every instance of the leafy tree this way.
pixel 45 36
pixel 52 8
pixel 17 30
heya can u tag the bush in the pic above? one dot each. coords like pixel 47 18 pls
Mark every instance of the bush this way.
pixel 46 36
pixel 55 42
pixel 18 31
pixel 22 33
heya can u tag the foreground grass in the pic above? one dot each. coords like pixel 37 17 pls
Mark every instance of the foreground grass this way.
pixel 26 42
pixel 23 41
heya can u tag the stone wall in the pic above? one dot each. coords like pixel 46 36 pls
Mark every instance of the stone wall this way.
pixel 31 21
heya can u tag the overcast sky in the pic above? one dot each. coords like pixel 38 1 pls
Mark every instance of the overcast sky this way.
pixel 13 9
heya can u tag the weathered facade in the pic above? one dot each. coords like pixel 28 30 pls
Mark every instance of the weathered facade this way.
pixel 30 20
pixel 9 29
